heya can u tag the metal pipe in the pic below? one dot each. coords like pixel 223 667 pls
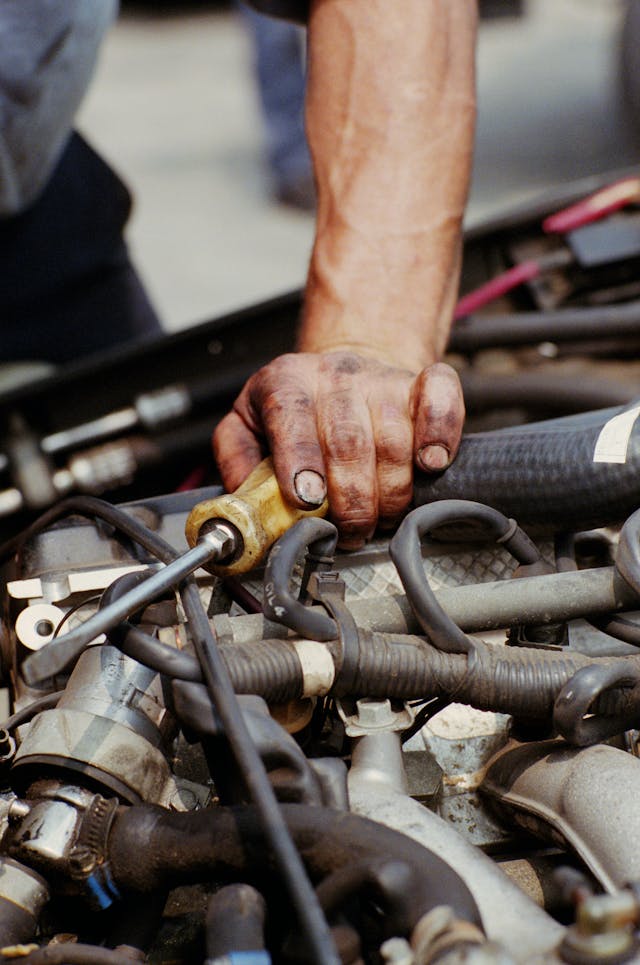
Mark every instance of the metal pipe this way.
pixel 588 796
pixel 507 913
pixel 474 607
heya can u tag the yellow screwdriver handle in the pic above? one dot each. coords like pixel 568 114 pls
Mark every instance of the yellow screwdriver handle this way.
pixel 258 512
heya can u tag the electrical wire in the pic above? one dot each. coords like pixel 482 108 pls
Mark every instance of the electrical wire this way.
pixel 427 711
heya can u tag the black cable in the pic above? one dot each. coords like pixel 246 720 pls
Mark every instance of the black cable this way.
pixel 69 613
pixel 317 537
pixel 404 550
pixel 287 858
pixel 424 715
pixel 90 507
pixel 27 713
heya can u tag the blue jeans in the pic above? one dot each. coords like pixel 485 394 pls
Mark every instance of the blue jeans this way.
pixel 279 71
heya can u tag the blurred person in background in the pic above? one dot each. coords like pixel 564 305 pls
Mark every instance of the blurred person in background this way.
pixel 67 286
pixel 277 53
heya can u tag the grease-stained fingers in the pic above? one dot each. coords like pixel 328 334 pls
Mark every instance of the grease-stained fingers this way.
pixel 283 397
pixel 237 450
pixel 438 417
pixel 346 437
pixel 393 438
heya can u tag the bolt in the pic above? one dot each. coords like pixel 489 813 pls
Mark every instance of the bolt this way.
pixel 17 811
pixel 82 861
pixel 220 536
pixel 603 930
pixel 374 713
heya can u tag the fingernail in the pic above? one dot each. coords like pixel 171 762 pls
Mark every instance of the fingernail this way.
pixel 310 487
pixel 433 458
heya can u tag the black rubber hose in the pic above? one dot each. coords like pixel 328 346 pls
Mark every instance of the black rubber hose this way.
pixel 297 782
pixel 542 474
pixel 470 335
pixel 389 885
pixel 405 552
pixel 319 538
pixel 136 643
pixel 149 848
pixel 572 713
pixel 235 921
pixel 543 392
pixel 141 646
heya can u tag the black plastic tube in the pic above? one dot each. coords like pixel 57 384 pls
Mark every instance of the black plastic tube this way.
pixel 405 552
pixel 149 848
pixel 519 681
pixel 319 537
pixel 25 714
pixel 469 335
pixel 543 392
pixel 543 474
pixel 572 713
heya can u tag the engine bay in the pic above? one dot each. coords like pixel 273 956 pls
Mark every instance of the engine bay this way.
pixel 421 751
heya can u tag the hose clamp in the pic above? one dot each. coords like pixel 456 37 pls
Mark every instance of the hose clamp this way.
pixel 330 591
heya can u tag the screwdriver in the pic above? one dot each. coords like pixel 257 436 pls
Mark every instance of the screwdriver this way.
pixel 229 534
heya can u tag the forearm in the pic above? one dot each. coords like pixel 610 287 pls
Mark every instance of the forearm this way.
pixel 390 117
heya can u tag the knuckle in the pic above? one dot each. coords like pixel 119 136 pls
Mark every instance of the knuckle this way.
pixel 347 441
pixel 394 445
pixel 345 428
pixel 341 363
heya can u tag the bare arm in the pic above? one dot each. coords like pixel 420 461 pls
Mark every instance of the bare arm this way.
pixel 390 116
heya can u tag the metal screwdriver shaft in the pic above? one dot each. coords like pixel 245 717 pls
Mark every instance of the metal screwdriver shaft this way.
pixel 216 543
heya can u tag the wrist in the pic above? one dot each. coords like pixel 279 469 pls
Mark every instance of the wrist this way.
pixel 352 306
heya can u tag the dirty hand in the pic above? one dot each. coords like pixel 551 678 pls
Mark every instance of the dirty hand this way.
pixel 342 425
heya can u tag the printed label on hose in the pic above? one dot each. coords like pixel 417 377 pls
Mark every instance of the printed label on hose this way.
pixel 613 441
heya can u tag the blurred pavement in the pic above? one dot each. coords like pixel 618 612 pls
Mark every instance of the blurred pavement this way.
pixel 173 108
